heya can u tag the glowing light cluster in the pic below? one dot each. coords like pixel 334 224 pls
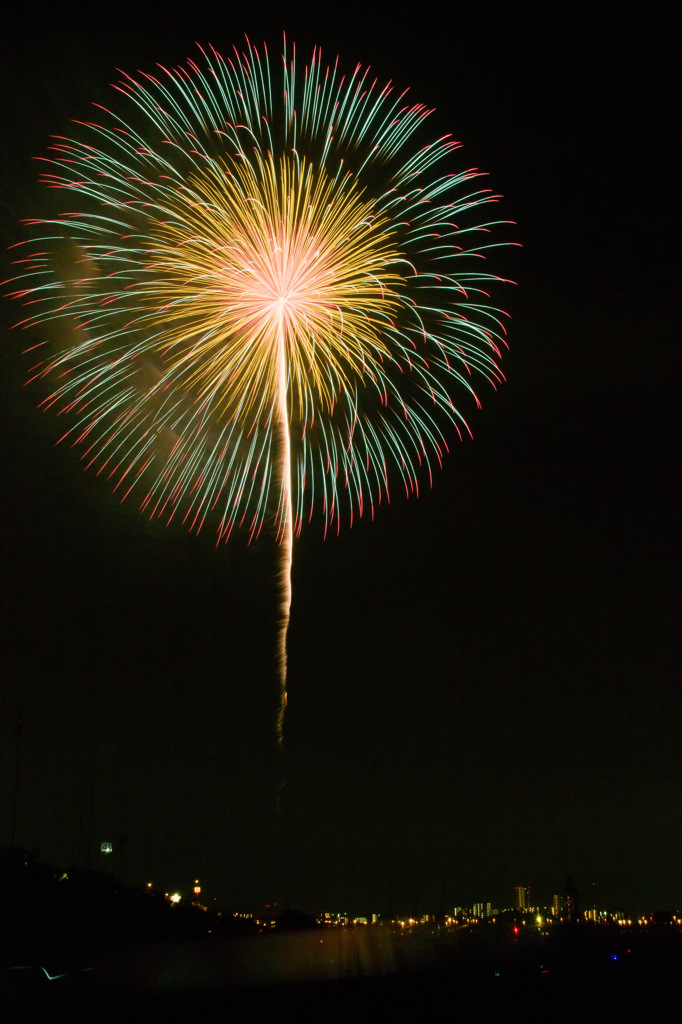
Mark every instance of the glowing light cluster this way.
pixel 265 250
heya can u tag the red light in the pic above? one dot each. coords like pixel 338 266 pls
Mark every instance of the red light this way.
pixel 516 931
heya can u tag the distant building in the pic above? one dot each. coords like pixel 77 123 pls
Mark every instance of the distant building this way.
pixel 598 916
pixel 521 897
pixel 565 908
pixel 481 910
pixel 334 920
pixel 572 901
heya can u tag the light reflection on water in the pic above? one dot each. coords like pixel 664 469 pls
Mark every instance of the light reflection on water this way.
pixel 325 954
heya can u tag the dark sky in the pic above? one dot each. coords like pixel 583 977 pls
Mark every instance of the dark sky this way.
pixel 484 683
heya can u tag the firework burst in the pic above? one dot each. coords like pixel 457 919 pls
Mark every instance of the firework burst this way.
pixel 278 292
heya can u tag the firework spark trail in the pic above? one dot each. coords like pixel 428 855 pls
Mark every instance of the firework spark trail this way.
pixel 279 293
pixel 286 526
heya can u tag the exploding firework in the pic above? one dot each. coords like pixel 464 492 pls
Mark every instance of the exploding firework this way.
pixel 276 292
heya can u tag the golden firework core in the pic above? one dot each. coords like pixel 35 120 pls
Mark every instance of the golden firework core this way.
pixel 255 247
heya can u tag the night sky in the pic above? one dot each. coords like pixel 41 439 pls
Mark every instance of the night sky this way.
pixel 484 683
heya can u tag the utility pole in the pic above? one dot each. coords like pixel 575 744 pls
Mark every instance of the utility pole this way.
pixel 90 802
pixel 122 843
pixel 18 733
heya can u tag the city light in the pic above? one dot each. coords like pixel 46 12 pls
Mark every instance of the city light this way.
pixel 515 922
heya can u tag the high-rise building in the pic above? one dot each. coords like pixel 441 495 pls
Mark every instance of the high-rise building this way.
pixel 572 902
pixel 482 910
pixel 558 906
pixel 522 897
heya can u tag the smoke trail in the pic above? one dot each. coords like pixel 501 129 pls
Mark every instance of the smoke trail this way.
pixel 285 530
